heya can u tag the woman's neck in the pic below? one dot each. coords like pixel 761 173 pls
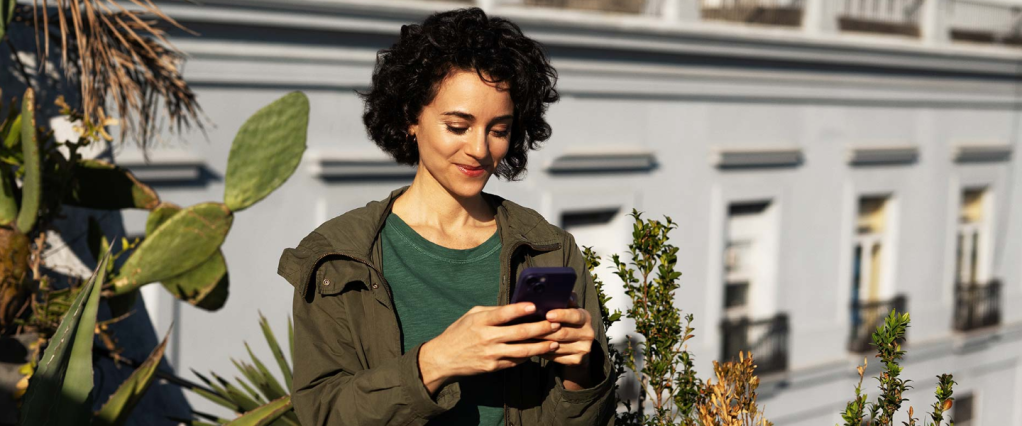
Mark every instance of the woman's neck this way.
pixel 427 202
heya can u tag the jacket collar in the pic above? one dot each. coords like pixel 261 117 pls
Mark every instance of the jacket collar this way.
pixel 355 233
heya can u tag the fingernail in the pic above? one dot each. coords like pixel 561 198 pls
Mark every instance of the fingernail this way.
pixel 555 325
pixel 530 307
pixel 551 316
pixel 553 346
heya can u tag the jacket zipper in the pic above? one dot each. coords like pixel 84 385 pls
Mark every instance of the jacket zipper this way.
pixel 507 283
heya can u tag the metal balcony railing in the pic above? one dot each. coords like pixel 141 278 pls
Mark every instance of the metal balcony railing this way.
pixel 984 22
pixel 768 12
pixel 767 339
pixel 866 317
pixel 897 17
pixel 977 305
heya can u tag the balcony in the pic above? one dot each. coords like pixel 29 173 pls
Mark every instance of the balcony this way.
pixel 630 7
pixel 787 13
pixel 890 17
pixel 866 317
pixel 767 339
pixel 977 305
pixel 984 22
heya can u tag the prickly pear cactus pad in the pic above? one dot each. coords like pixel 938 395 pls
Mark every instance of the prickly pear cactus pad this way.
pixel 206 285
pixel 266 151
pixel 185 240
pixel 98 184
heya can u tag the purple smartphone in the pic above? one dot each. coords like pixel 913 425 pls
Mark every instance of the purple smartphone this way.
pixel 547 287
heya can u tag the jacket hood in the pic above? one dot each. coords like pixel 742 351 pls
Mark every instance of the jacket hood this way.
pixel 354 233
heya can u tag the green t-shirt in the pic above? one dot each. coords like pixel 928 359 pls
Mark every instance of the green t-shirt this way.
pixel 433 286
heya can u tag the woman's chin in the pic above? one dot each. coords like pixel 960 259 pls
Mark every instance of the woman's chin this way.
pixel 463 187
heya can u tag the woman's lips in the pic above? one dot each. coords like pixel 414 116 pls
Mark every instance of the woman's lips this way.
pixel 471 171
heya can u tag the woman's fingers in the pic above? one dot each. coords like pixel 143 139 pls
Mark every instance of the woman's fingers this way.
pixel 573 316
pixel 502 314
pixel 570 334
pixel 521 332
pixel 527 350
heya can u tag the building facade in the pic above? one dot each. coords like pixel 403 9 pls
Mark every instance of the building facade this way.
pixel 825 161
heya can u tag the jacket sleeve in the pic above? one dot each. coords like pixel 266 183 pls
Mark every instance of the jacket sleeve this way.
pixel 330 385
pixel 594 405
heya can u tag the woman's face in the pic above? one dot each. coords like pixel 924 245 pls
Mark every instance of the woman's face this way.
pixel 464 133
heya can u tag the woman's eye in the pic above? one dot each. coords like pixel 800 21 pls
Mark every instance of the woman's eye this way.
pixel 501 133
pixel 457 130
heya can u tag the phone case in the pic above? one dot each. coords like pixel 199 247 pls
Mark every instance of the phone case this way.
pixel 546 287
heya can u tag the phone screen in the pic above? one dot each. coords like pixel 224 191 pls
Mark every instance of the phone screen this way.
pixel 546 287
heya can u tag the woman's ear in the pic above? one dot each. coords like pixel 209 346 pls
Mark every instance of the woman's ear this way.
pixel 412 130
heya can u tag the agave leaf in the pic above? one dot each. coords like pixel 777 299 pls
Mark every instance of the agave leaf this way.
pixel 98 184
pixel 218 395
pixel 59 391
pixel 31 186
pixel 13 131
pixel 181 243
pixel 255 395
pixel 234 394
pixel 271 340
pixel 264 414
pixel 272 385
pixel 266 151
pixel 206 286
pixel 116 410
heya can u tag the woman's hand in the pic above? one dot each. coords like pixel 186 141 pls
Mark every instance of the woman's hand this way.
pixel 576 341
pixel 478 342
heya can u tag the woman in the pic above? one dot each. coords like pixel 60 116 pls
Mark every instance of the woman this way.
pixel 401 306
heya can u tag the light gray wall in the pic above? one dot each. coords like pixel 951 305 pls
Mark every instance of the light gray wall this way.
pixel 682 91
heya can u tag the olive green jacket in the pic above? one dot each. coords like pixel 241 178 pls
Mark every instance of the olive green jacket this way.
pixel 348 366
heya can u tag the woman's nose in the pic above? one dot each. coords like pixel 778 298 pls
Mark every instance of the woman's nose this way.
pixel 477 147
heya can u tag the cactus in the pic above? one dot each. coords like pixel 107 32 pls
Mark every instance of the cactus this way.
pixel 266 151
pixel 185 240
pixel 8 204
pixel 98 184
pixel 206 285
pixel 31 188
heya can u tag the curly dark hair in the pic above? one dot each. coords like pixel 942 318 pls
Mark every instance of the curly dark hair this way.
pixel 408 75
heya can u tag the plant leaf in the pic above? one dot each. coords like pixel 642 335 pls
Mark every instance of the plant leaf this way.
pixel 31 187
pixel 116 410
pixel 159 215
pixel 6 13
pixel 266 151
pixel 264 414
pixel 181 243
pixel 205 286
pixel 97 184
pixel 59 391
pixel 271 340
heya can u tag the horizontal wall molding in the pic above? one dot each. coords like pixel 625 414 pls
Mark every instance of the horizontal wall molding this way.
pixel 866 156
pixel 341 166
pixel 982 153
pixel 606 32
pixel 747 158
pixel 603 162
pixel 169 169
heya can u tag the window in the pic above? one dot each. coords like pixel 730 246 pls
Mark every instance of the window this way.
pixel 972 235
pixel 743 255
pixel 963 410
pixel 871 227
